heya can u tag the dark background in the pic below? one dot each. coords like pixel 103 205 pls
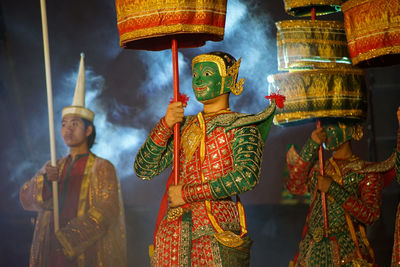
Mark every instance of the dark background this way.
pixel 129 91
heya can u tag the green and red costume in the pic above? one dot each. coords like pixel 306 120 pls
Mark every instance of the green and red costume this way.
pixel 353 201
pixel 220 157
pixel 396 244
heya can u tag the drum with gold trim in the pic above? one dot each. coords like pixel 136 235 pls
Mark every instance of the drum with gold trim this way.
pixel 373 31
pixel 151 24
pixel 309 44
pixel 302 8
pixel 312 94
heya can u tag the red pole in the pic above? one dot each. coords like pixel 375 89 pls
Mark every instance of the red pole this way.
pixel 176 98
pixel 313 13
pixel 323 195
pixel 321 161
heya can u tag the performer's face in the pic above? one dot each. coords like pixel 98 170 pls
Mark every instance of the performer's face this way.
pixel 336 135
pixel 73 131
pixel 206 81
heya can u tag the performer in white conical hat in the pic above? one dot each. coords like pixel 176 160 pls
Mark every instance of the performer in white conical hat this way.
pixel 92 227
pixel 78 104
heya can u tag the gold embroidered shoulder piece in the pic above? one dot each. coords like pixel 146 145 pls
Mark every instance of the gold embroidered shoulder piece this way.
pixel 361 166
pixel 247 119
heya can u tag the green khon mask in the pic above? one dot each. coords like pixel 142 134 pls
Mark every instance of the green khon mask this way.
pixel 337 133
pixel 215 74
pixel 207 81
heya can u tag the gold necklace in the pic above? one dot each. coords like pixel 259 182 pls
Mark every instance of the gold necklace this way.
pixel 224 110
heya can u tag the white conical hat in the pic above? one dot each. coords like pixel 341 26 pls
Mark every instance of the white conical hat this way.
pixel 78 104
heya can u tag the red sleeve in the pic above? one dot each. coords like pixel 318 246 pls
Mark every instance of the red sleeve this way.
pixel 300 166
pixel 161 133
pixel 196 192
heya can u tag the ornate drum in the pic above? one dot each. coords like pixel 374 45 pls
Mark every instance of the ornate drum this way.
pixel 314 94
pixel 373 31
pixel 309 44
pixel 302 8
pixel 151 24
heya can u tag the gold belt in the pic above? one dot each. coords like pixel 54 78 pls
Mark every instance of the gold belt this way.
pixel 318 233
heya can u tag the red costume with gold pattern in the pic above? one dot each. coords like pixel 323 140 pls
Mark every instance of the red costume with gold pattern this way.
pixel 92 226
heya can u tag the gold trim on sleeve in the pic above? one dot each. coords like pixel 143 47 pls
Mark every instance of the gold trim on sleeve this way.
pixel 83 196
pixel 40 183
pixel 67 248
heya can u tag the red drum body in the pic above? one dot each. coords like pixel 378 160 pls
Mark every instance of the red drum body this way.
pixel 152 24
pixel 373 31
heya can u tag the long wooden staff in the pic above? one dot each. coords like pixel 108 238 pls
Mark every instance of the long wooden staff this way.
pixel 50 109
pixel 174 46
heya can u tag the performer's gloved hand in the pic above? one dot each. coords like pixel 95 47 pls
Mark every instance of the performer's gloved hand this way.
pixel 52 174
pixel 175 198
pixel 55 244
pixel 174 113
pixel 319 135
pixel 323 183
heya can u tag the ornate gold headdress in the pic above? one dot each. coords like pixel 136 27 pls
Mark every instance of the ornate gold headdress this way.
pixel 237 87
pixel 357 133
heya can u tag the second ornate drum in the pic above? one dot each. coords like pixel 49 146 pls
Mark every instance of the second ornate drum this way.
pixel 309 44
pixel 313 94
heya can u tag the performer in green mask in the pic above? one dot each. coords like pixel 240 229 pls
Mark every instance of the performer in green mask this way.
pixel 396 243
pixel 353 189
pixel 220 157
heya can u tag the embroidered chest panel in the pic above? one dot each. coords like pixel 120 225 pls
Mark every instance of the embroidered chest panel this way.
pixel 218 159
